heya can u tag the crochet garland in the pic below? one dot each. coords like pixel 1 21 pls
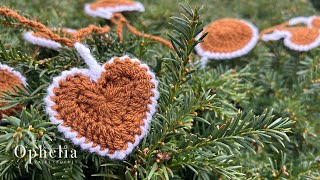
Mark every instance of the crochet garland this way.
pixel 41 39
pixel 107 109
pixel 8 80
pixel 109 9
pixel 230 38
pixel 103 109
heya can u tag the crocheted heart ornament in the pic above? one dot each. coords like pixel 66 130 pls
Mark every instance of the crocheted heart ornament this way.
pixel 312 21
pixel 296 38
pixel 106 8
pixel 8 80
pixel 43 40
pixel 227 38
pixel 109 114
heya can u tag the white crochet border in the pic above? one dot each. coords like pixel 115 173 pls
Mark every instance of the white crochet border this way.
pixel 107 12
pixel 278 34
pixel 302 20
pixel 118 154
pixel 246 49
pixel 43 42
pixel 15 73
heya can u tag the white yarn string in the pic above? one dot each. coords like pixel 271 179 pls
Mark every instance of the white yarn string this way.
pixel 93 65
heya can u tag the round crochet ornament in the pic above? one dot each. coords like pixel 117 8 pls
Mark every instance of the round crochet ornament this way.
pixel 312 21
pixel 8 80
pixel 106 8
pixel 43 40
pixel 296 38
pixel 104 109
pixel 227 38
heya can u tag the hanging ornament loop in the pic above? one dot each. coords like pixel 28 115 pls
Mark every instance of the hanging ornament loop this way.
pixel 94 67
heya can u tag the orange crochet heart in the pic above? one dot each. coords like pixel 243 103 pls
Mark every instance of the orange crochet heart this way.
pixel 8 80
pixel 303 35
pixel 109 116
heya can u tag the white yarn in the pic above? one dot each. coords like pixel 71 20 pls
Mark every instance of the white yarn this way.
pixel 39 41
pixel 43 42
pixel 93 65
pixel 107 12
pixel 204 61
pixel 297 47
pixel 118 154
pixel 302 20
pixel 298 20
pixel 15 73
pixel 274 36
pixel 245 50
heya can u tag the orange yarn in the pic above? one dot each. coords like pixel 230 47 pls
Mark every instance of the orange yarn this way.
pixel 82 33
pixel 7 81
pixel 316 22
pixel 110 3
pixel 300 35
pixel 76 37
pixel 62 31
pixel 110 111
pixel 226 35
pixel 118 22
pixel 271 29
pixel 303 35
pixel 40 27
pixel 118 19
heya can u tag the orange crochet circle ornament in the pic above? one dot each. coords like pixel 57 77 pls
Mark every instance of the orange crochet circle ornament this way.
pixel 107 111
pixel 8 80
pixel 106 8
pixel 227 38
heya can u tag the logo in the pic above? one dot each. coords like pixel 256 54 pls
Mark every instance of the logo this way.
pixel 62 153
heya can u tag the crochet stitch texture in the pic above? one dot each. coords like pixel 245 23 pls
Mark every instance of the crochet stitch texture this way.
pixel 228 38
pixel 43 39
pixel 298 38
pixel 8 80
pixel 303 36
pixel 110 115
